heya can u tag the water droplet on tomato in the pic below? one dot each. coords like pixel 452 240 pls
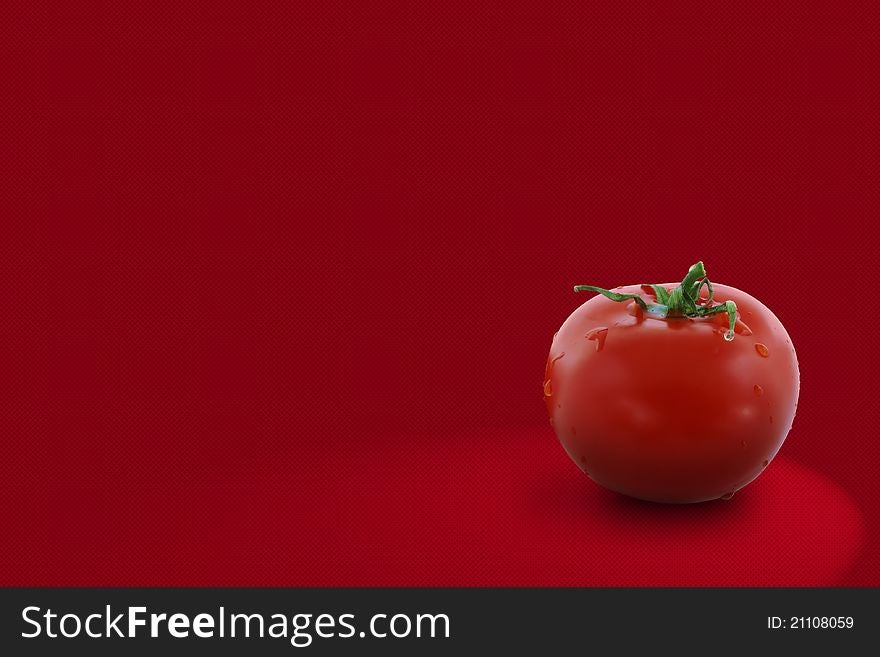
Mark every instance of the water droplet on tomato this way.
pixel 552 423
pixel 765 463
pixel 728 335
pixel 744 444
pixel 599 335
pixel 548 388
pixel 771 419
pixel 727 496
pixel 758 390
pixel 762 350
pixel 548 370
pixel 558 405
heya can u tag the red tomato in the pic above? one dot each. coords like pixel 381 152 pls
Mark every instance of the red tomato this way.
pixel 670 409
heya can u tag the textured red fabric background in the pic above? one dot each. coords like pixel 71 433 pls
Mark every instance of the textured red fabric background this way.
pixel 278 284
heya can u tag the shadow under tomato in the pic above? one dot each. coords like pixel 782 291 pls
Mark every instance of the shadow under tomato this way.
pixel 624 508
pixel 791 526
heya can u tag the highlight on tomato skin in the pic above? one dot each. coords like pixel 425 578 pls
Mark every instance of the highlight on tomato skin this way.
pixel 678 393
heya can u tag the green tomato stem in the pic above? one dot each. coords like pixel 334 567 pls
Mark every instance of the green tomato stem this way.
pixel 682 301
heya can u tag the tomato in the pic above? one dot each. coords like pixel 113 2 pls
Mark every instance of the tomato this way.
pixel 669 394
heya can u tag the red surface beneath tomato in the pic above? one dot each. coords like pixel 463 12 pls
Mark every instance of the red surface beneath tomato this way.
pixel 489 508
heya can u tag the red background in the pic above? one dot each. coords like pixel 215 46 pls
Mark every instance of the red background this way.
pixel 278 285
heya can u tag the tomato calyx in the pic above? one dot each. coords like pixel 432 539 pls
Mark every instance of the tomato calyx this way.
pixel 682 301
